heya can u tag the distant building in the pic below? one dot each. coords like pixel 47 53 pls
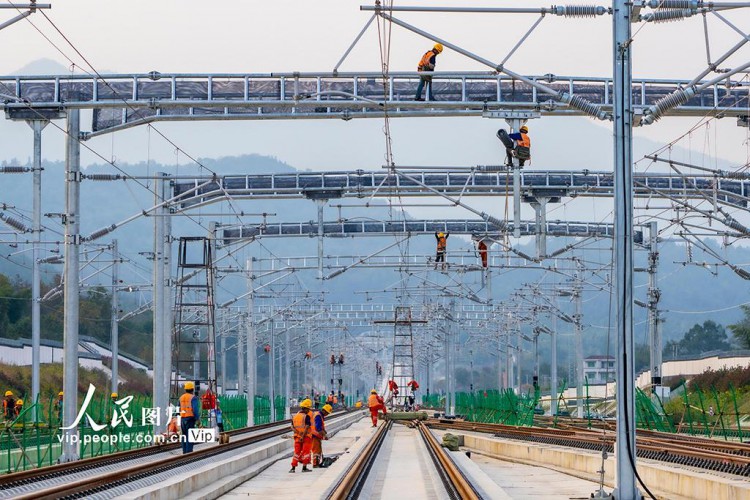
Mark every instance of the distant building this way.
pixel 599 369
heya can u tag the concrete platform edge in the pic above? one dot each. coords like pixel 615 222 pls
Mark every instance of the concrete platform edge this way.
pixel 672 481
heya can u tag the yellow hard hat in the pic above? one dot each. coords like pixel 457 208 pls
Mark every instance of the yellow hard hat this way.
pixel 189 385
pixel 19 402
pixel 438 47
pixel 327 408
pixel 306 404
pixel 60 393
pixel 373 391
pixel 8 393
pixel 524 129
pixel 114 395
pixel 441 234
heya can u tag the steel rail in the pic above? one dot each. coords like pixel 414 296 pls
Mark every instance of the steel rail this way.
pixel 352 481
pixel 732 458
pixel 457 485
pixel 24 478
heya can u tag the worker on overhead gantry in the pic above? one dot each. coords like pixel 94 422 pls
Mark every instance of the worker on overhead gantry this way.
pixel 517 144
pixel 427 63
pixel 481 250
pixel 442 247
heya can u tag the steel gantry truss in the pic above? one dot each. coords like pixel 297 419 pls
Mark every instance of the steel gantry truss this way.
pixel 122 101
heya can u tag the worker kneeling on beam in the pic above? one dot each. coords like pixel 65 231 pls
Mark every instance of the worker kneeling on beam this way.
pixel 301 425
pixel 375 403
pixel 189 411
pixel 319 434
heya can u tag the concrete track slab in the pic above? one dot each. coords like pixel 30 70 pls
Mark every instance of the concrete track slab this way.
pixel 277 483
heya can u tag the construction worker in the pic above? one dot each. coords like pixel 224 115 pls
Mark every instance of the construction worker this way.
pixel 517 144
pixel 427 63
pixel 9 405
pixel 442 246
pixel 375 403
pixel 318 431
pixel 482 250
pixel 59 406
pixel 301 424
pixel 18 409
pixel 189 412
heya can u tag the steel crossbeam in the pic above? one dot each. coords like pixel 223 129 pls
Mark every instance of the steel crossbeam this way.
pixel 126 100
pixel 360 184
pixel 412 227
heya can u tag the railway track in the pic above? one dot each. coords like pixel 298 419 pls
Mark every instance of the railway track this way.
pixel 728 457
pixel 81 478
pixel 456 484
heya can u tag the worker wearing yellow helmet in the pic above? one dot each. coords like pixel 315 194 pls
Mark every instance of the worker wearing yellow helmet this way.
pixel 301 425
pixel 442 247
pixel 59 406
pixel 9 405
pixel 189 413
pixel 19 407
pixel 427 63
pixel 517 145
pixel 319 434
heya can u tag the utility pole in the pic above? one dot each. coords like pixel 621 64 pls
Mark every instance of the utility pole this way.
pixel 623 183
pixel 167 302
pixel 287 373
pixel 250 345
pixel 553 361
pixel 114 326
pixel 71 292
pixel 240 365
pixel 36 275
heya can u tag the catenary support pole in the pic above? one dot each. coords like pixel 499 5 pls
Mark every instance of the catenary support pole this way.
pixel 553 362
pixel 241 377
pixel 654 295
pixel 287 373
pixel 36 275
pixel 71 292
pixel 321 205
pixel 161 398
pixel 114 320
pixel 167 303
pixel 578 325
pixel 623 183
pixel 223 323
pixel 515 125
pixel 250 346
pixel 271 373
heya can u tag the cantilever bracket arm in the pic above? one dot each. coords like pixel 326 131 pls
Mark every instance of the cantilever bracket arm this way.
pixel 33 6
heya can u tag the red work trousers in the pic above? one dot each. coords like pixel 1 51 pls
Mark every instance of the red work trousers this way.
pixel 302 450
pixel 374 413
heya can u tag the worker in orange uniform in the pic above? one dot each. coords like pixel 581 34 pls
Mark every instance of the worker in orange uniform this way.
pixel 319 433
pixel 375 403
pixel 59 406
pixel 517 144
pixel 482 249
pixel 427 63
pixel 18 409
pixel 301 425
pixel 189 412
pixel 442 247
pixel 9 405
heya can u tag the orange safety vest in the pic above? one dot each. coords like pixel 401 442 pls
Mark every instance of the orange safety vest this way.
pixel 525 141
pixel 442 244
pixel 424 63
pixel 335 400
pixel 312 428
pixel 186 407
pixel 298 422
pixel 372 401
